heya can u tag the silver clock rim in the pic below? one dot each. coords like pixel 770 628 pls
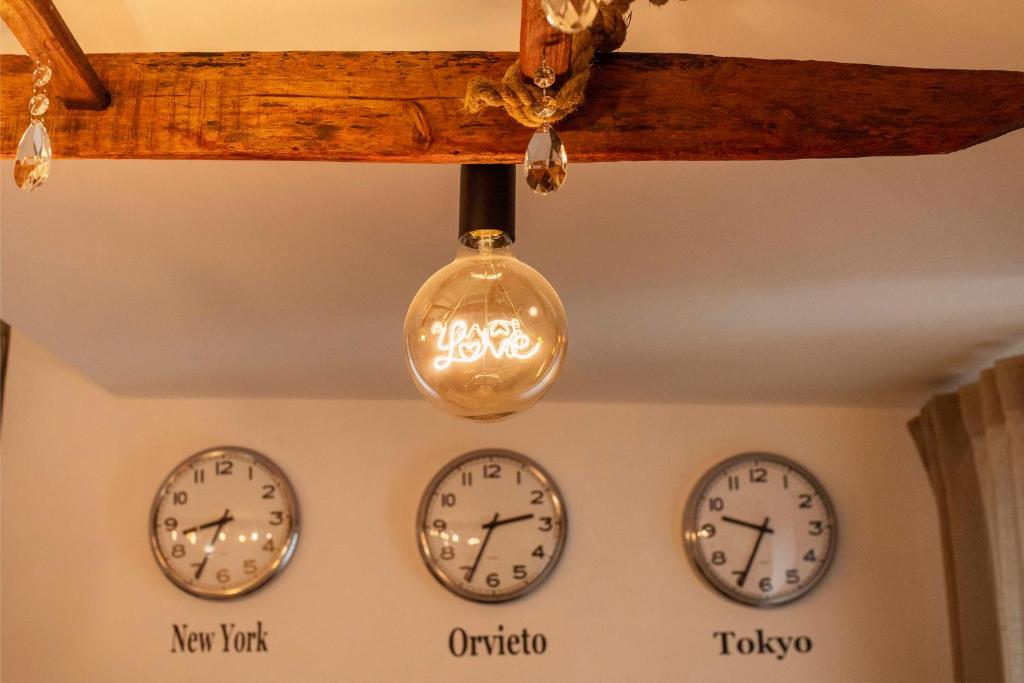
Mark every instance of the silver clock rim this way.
pixel 690 533
pixel 284 555
pixel 421 516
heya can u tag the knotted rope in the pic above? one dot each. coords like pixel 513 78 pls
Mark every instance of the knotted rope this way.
pixel 519 98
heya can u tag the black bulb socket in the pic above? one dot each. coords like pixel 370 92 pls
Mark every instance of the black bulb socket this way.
pixel 487 199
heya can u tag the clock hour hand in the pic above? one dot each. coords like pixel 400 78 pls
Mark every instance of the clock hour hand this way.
pixel 755 527
pixel 496 522
pixel 199 527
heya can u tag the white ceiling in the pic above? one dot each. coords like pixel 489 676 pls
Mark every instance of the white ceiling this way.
pixel 869 281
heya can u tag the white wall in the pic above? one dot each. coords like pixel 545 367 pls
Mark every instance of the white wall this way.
pixel 83 599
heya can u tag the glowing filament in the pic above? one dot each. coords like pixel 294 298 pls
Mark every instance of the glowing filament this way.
pixel 463 343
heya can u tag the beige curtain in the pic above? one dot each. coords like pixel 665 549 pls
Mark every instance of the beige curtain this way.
pixel 972 445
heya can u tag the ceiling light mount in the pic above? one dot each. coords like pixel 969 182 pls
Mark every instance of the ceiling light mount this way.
pixel 487 199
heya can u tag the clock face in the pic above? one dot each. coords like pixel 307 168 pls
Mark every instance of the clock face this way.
pixel 224 522
pixel 491 525
pixel 760 529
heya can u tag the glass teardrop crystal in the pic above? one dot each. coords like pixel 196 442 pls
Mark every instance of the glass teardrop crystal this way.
pixel 569 16
pixel 545 161
pixel 32 165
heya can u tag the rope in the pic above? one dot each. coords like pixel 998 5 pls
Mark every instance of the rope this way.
pixel 519 98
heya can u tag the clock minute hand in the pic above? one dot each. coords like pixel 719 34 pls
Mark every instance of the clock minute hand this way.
pixel 225 518
pixel 496 522
pixel 750 562
pixel 755 527
pixel 480 553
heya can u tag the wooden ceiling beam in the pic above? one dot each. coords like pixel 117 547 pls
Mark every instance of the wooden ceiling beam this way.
pixel 407 107
pixel 41 30
pixel 539 40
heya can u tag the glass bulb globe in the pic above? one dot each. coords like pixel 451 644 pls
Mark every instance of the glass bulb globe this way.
pixel 486 335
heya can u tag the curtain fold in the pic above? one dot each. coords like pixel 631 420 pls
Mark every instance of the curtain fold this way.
pixel 972 445
pixel 1009 381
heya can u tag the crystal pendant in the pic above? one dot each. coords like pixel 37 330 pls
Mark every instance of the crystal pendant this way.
pixel 569 16
pixel 545 107
pixel 39 104
pixel 545 161
pixel 544 77
pixel 32 165
pixel 41 75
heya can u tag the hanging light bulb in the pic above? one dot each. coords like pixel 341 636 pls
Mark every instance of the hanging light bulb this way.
pixel 486 335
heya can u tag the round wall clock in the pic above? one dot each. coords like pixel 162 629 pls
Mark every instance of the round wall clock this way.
pixel 224 522
pixel 491 525
pixel 760 528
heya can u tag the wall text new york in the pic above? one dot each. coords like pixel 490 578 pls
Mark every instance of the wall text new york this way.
pixel 227 637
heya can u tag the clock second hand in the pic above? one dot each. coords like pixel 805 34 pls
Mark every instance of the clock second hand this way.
pixel 763 528
pixel 480 553
pixel 225 518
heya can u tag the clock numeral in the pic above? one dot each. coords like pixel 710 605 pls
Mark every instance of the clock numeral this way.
pixel 223 576
pixel 276 518
pixel 440 524
pixel 492 471
pixel 536 497
pixel 519 572
pixel 545 524
pixel 170 524
pixel 792 576
pixel 447 553
pixel 718 557
pixel 785 481
pixel 538 551
pixel 249 567
pixel 765 584
pixel 224 467
pixel 809 556
pixel 268 491
pixel 468 572
pixel 178 551
pixel 758 475
pixel 805 500
pixel 180 497
pixel 519 477
pixel 716 504
pixel 269 545
pixel 817 528
pixel 740 577
pixel 250 472
pixel 493 581
pixel 447 500
pixel 707 531
pixel 467 478
pixel 199 476
pixel 734 482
